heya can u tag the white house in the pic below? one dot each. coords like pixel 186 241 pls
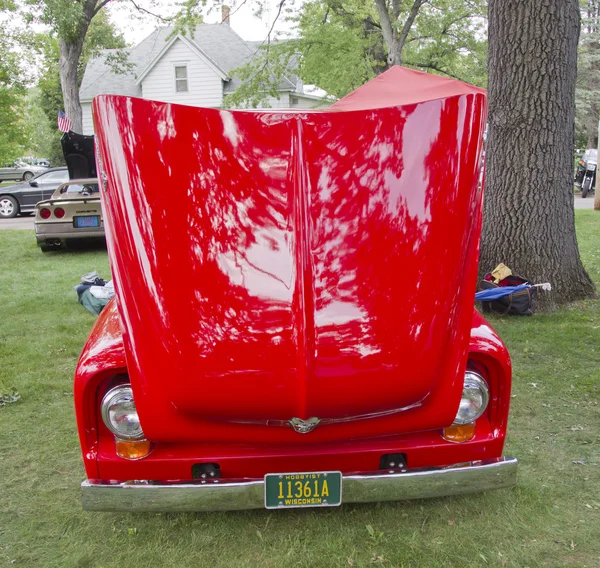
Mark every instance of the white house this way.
pixel 192 69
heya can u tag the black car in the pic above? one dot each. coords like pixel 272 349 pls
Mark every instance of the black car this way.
pixel 21 198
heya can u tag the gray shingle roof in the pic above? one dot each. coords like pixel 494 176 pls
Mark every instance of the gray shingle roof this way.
pixel 219 42
pixel 100 78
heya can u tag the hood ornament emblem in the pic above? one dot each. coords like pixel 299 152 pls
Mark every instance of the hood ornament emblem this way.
pixel 304 426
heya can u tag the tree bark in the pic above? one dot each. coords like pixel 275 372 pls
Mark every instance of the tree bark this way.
pixel 390 34
pixel 395 41
pixel 529 221
pixel 70 53
pixel 592 127
pixel 597 192
pixel 70 48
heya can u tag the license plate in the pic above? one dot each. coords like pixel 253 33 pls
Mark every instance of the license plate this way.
pixel 312 489
pixel 89 221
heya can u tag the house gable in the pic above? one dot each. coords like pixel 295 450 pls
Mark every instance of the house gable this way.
pixel 210 54
pixel 192 46
pixel 204 79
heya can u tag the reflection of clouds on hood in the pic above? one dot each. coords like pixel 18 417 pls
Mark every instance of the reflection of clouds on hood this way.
pixel 415 174
pixel 339 313
pixel 230 128
pixel 486 333
pixel 299 247
pixel 268 276
pixel 165 125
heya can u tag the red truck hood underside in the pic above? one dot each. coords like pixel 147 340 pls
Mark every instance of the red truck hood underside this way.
pixel 273 265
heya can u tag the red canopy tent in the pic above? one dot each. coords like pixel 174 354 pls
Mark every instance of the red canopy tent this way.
pixel 401 86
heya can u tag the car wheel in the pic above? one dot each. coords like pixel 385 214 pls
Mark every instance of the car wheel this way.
pixel 27 176
pixel 8 207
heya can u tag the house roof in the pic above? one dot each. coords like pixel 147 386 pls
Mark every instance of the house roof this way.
pixel 218 43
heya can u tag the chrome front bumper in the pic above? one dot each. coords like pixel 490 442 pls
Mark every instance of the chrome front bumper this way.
pixel 223 495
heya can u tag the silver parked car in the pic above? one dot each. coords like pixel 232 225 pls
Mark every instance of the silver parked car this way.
pixel 72 213
pixel 18 171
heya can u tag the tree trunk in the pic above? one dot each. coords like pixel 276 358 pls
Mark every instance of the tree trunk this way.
pixel 70 53
pixel 395 34
pixel 70 48
pixel 597 192
pixel 590 138
pixel 592 128
pixel 529 221
pixel 390 33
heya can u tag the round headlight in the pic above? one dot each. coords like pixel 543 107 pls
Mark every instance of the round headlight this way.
pixel 119 413
pixel 474 399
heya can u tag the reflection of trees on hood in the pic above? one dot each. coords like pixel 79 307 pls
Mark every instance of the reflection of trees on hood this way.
pixel 226 185
pixel 219 183
pixel 376 186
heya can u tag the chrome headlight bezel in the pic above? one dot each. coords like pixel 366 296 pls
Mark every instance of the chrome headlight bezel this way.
pixel 475 384
pixel 124 395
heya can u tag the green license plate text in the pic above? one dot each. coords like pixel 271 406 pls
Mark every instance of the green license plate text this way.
pixel 311 489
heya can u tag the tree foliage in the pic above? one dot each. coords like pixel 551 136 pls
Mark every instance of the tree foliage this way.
pixel 71 21
pixel 341 44
pixel 338 45
pixel 14 135
pixel 450 38
pixel 102 34
pixel 588 75
pixel 42 132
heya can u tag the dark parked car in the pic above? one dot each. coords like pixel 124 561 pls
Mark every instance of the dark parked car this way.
pixel 21 198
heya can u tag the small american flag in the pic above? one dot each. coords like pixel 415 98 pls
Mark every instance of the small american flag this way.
pixel 64 122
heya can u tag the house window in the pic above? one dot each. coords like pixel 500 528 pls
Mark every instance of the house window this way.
pixel 181 79
pixel 295 100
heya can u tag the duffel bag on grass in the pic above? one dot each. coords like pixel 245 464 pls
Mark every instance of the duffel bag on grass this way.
pixel 518 302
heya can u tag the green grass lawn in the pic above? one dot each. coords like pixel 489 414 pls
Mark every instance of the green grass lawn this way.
pixel 552 517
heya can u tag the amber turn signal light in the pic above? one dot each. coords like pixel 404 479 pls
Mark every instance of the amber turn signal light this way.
pixel 133 449
pixel 459 432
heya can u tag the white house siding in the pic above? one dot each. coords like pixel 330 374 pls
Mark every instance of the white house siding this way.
pixel 283 102
pixel 289 99
pixel 204 84
pixel 88 124
pixel 306 103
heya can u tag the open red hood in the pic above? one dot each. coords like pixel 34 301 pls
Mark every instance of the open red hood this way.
pixel 273 264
